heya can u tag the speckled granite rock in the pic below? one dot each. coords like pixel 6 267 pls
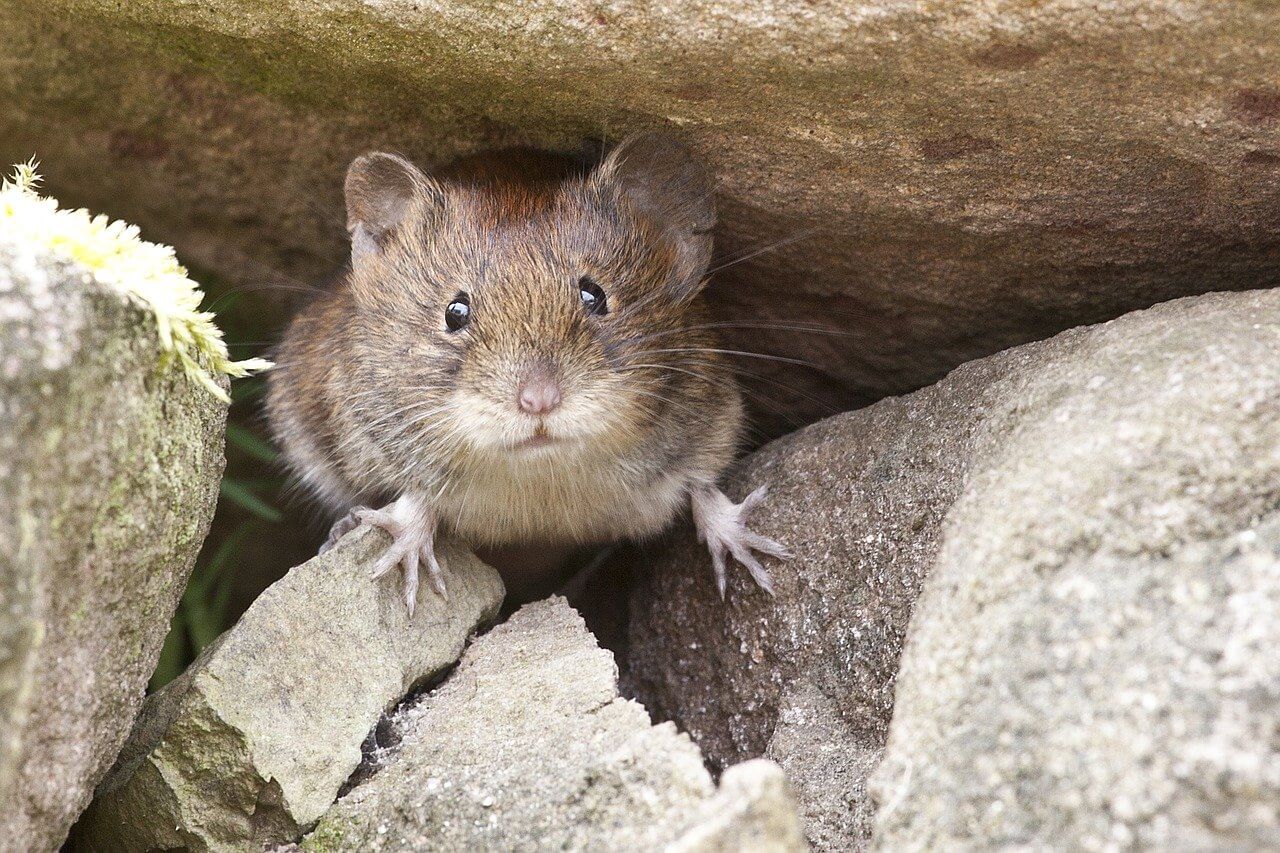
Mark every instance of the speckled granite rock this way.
pixel 255 740
pixel 1094 655
pixel 109 468
pixel 963 176
pixel 1141 434
pixel 527 746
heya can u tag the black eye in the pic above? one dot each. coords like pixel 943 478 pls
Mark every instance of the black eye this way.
pixel 592 297
pixel 457 314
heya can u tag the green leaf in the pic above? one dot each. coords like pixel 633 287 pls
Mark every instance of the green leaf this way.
pixel 174 654
pixel 251 443
pixel 247 389
pixel 241 496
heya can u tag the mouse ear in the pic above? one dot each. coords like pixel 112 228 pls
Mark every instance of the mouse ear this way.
pixel 381 190
pixel 661 179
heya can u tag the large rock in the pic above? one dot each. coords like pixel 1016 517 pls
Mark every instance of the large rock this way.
pixel 527 746
pixel 960 176
pixel 1094 655
pixel 253 743
pixel 109 465
pixel 1133 437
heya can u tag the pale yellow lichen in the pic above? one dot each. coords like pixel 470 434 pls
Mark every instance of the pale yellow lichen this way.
pixel 147 273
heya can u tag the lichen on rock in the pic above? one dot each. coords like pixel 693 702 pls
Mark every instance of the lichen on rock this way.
pixel 110 460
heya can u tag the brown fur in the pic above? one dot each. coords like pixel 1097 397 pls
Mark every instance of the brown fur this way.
pixel 373 397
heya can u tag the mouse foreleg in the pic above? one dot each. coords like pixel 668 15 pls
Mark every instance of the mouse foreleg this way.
pixel 412 525
pixel 722 525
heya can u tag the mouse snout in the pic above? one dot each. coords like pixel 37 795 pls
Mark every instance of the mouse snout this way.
pixel 538 395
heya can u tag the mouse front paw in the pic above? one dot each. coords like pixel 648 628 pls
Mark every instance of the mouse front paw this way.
pixel 413 531
pixel 722 525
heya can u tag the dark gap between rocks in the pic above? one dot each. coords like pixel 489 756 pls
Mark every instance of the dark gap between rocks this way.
pixel 383 741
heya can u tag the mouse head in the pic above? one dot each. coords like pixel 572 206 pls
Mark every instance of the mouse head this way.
pixel 527 315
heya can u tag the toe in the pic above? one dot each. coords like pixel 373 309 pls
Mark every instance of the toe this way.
pixel 753 500
pixel 411 580
pixel 758 572
pixel 765 545
pixel 434 571
pixel 388 561
pixel 378 518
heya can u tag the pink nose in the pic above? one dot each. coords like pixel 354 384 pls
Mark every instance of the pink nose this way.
pixel 539 396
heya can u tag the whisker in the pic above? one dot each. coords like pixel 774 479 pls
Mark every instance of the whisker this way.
pixel 745 353
pixel 772 247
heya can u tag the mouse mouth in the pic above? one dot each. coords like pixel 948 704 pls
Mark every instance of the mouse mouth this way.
pixel 540 439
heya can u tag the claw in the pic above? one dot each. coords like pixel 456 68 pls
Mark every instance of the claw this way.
pixel 752 500
pixel 717 566
pixel 434 572
pixel 721 524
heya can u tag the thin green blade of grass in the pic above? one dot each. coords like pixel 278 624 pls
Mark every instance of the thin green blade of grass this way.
pixel 250 443
pixel 240 495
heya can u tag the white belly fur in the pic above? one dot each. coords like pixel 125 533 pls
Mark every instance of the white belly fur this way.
pixel 546 498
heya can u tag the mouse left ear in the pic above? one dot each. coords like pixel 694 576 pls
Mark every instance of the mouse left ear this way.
pixel 382 191
pixel 661 179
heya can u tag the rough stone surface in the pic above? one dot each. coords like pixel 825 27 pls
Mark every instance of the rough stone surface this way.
pixel 527 746
pixel 958 176
pixel 1133 436
pixel 109 468
pixel 1094 655
pixel 255 740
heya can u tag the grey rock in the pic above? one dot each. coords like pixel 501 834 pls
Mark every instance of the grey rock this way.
pixel 256 739
pixel 752 810
pixel 527 746
pixel 1093 657
pixel 109 469
pixel 954 178
pixel 1106 434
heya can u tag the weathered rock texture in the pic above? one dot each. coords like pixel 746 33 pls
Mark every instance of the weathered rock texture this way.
pixel 254 741
pixel 963 176
pixel 1133 438
pixel 527 746
pixel 109 467
pixel 1094 655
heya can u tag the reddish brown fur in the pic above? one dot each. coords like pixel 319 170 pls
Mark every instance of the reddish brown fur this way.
pixel 516 231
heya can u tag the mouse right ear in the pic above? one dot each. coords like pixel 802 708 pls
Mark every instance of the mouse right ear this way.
pixel 381 191
pixel 661 179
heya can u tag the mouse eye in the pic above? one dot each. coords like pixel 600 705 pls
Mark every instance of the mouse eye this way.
pixel 593 298
pixel 457 314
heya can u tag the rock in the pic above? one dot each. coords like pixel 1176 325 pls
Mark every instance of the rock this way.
pixel 953 178
pixel 255 740
pixel 1093 656
pixel 752 810
pixel 1133 433
pixel 528 746
pixel 109 466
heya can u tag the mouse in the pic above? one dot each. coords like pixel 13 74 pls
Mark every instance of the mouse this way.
pixel 519 351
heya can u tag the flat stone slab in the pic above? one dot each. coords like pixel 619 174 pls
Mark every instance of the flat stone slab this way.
pixel 253 743
pixel 527 746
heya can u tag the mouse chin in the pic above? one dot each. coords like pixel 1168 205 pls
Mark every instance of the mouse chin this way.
pixel 536 442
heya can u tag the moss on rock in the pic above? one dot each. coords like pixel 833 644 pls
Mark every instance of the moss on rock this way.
pixel 109 466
